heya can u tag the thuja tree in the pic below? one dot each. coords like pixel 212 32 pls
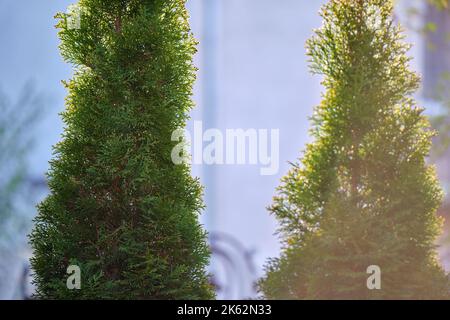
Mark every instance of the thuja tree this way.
pixel 119 208
pixel 363 194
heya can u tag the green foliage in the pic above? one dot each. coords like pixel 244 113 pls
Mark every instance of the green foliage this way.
pixel 119 208
pixel 440 4
pixel 363 194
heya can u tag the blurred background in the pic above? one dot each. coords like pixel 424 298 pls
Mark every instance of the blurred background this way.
pixel 253 73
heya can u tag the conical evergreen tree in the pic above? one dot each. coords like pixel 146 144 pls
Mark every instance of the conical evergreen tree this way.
pixel 119 208
pixel 363 194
